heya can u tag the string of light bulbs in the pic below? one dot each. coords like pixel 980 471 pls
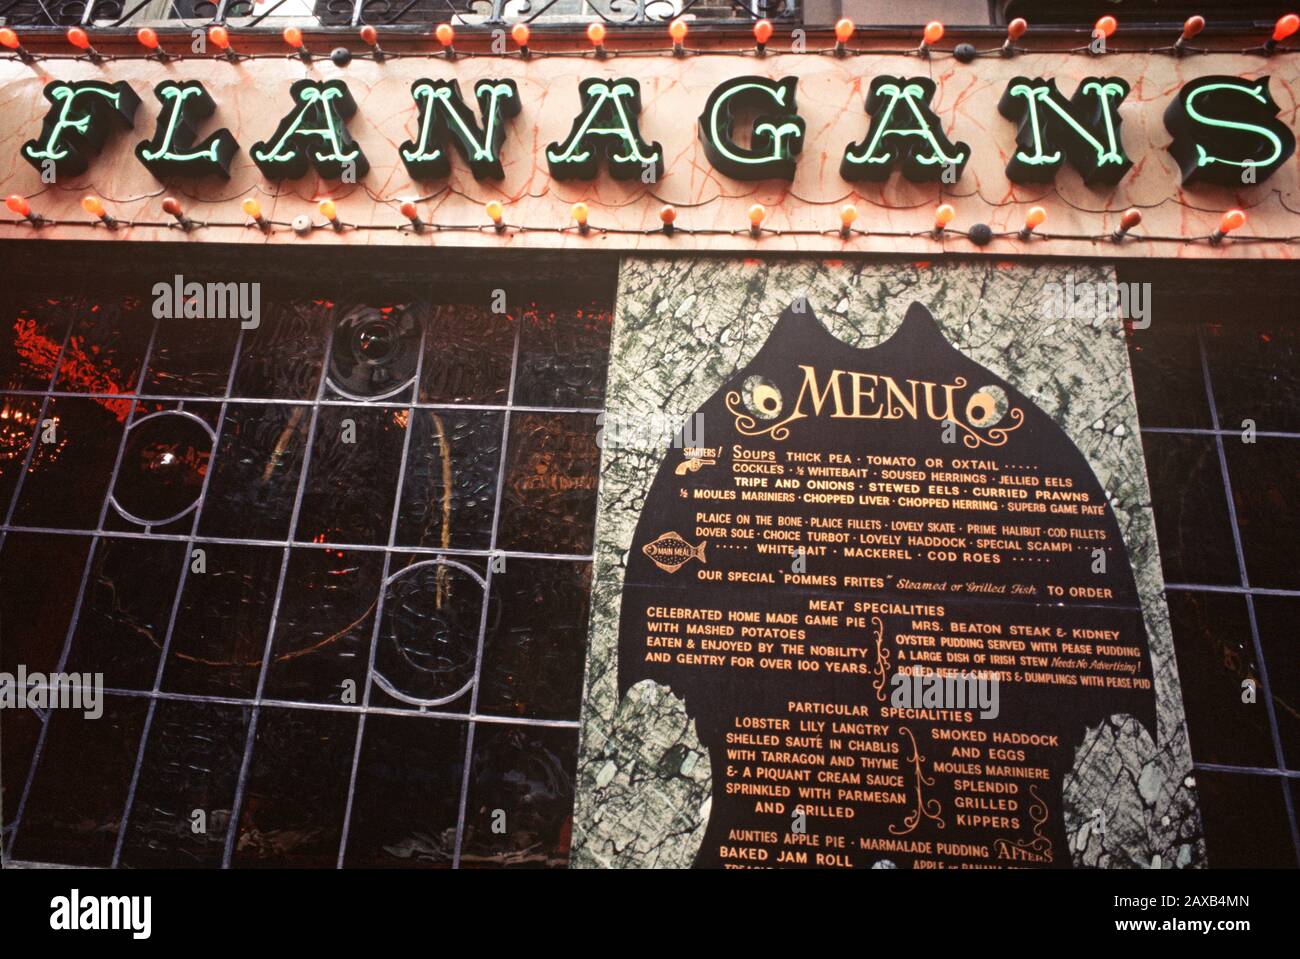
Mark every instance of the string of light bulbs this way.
pixel 219 36
pixel 580 222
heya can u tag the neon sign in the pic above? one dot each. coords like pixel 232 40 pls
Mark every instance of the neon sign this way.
pixel 314 133
pixel 1226 131
pixel 607 125
pixel 904 132
pixel 775 138
pixel 79 121
pixel 444 116
pixel 172 151
pixel 1051 129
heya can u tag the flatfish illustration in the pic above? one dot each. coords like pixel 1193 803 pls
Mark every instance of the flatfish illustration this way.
pixel 918 603
pixel 670 552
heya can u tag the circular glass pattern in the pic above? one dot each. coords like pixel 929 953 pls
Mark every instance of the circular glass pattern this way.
pixel 428 636
pixel 163 465
pixel 375 352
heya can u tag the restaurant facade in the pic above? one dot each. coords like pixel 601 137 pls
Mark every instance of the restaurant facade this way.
pixel 717 435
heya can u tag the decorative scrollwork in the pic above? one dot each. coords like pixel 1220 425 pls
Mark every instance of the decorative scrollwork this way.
pixel 925 808
pixel 1037 849
pixel 881 672
pixel 996 436
pixel 746 425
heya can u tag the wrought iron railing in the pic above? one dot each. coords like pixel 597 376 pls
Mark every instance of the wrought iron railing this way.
pixel 353 13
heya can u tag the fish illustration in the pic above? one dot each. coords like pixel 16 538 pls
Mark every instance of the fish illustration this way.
pixel 670 552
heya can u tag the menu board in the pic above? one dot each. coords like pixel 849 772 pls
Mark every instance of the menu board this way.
pixel 893 597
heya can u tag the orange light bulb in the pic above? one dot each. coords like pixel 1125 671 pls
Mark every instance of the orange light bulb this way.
pixel 408 210
pixel 93 206
pixel 848 213
pixel 369 34
pixel 763 31
pixel 668 215
pixel 78 38
pixel 171 206
pixel 943 215
pixel 580 212
pixel 1192 26
pixel 328 210
pixel 1106 26
pixel 445 34
pixel 219 37
pixel 148 38
pixel 677 30
pixel 18 204
pixel 520 33
pixel 494 210
pixel 1035 217
pixel 756 215
pixel 1232 220
pixel 293 37
pixel 843 29
pixel 252 208
pixel 596 34
pixel 933 32
pixel 8 38
pixel 1286 26
pixel 1017 27
pixel 1131 218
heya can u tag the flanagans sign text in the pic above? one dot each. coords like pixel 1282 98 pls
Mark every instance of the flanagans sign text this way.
pixel 1224 130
